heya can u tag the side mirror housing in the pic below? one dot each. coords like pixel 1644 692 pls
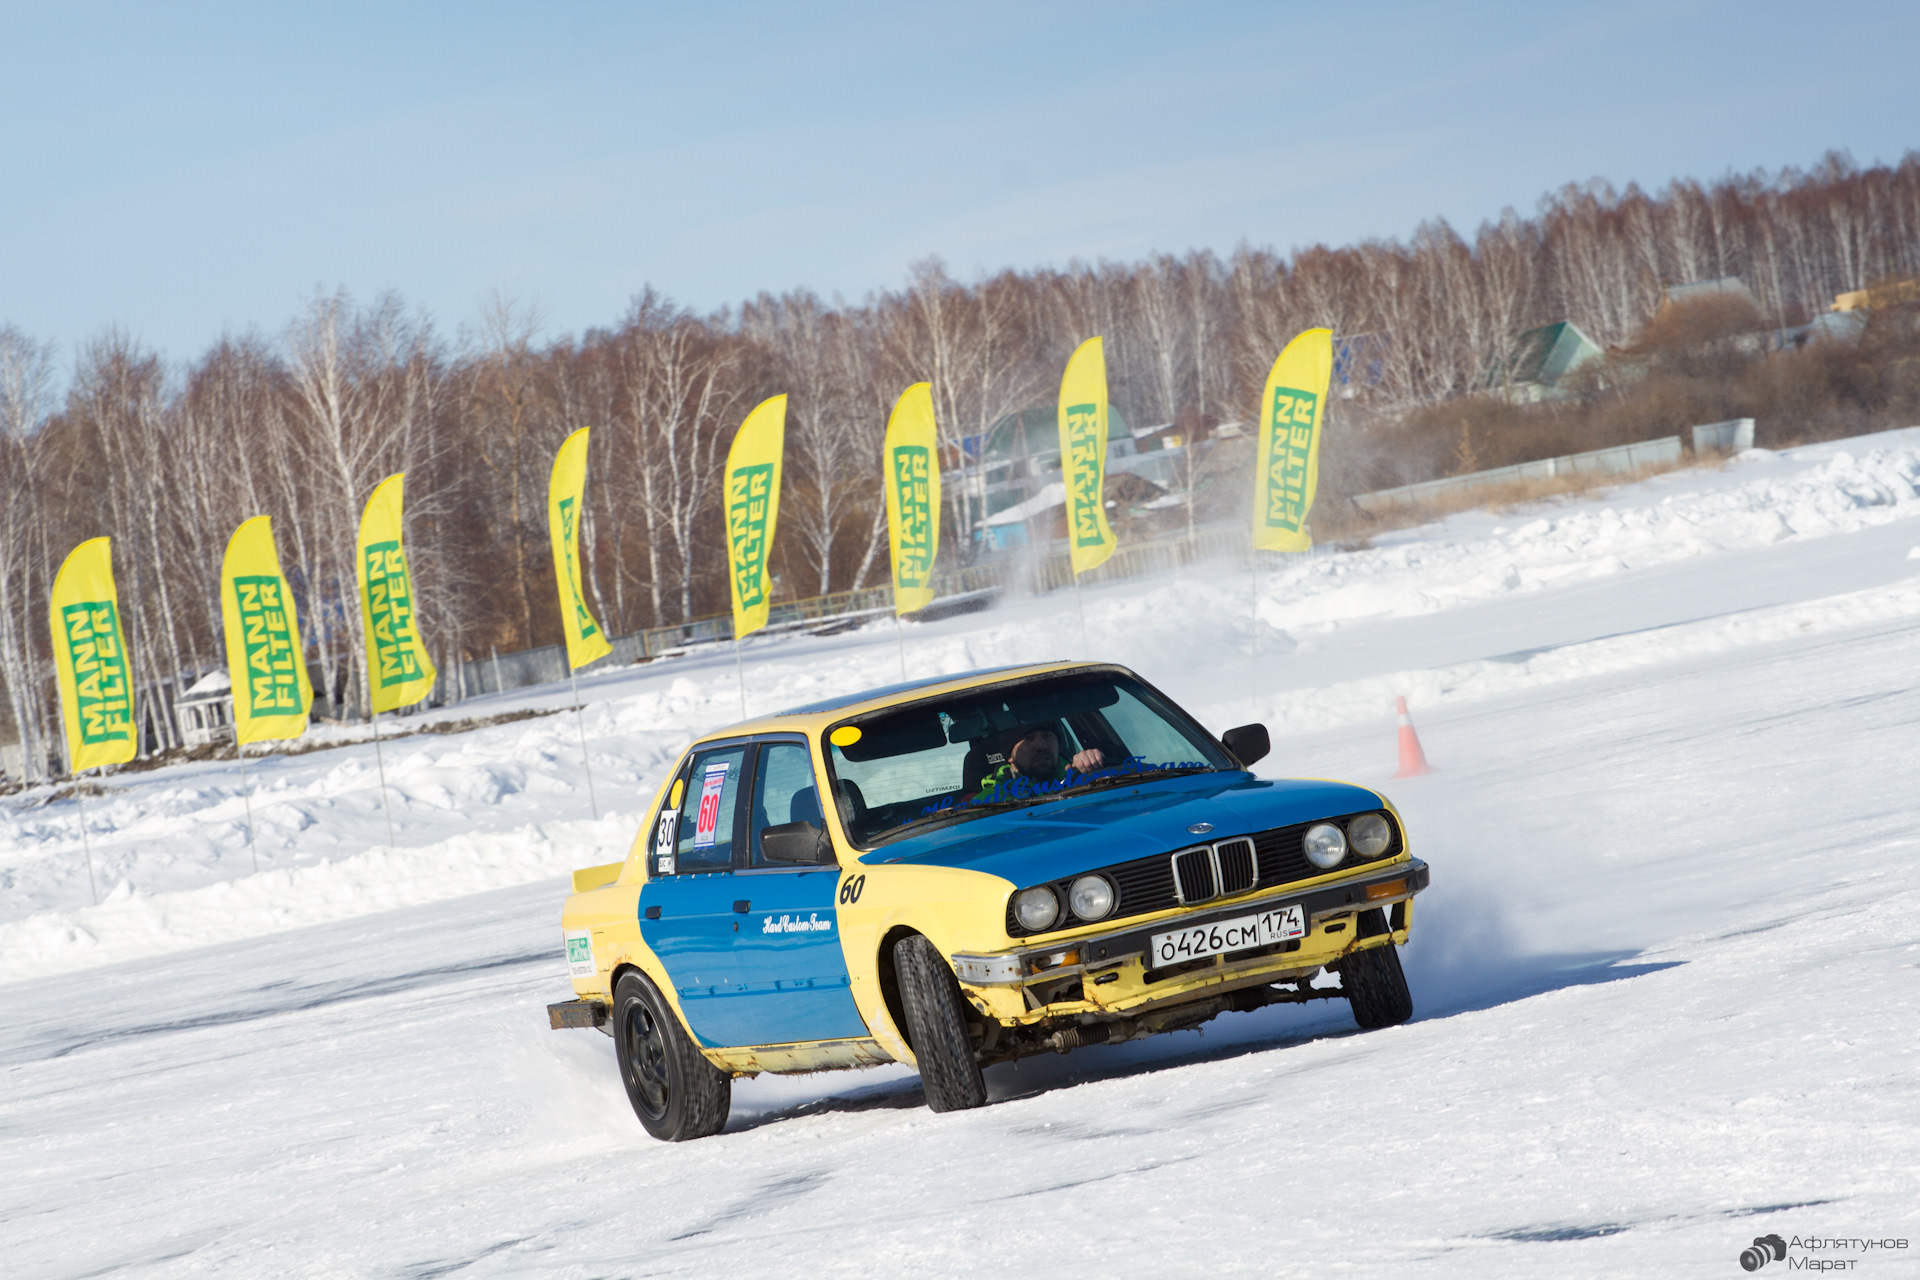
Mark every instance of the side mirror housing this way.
pixel 796 843
pixel 1249 743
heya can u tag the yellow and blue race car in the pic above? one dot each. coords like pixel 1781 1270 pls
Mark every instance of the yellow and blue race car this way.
pixel 958 872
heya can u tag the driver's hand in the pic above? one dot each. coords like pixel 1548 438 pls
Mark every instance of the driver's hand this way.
pixel 1091 758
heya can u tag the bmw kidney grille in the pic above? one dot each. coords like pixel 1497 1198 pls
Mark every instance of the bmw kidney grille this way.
pixel 1209 871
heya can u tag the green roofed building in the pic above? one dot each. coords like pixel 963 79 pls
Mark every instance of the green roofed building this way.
pixel 1035 434
pixel 1015 462
pixel 1541 360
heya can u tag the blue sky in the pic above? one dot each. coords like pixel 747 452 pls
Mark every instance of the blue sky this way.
pixel 184 170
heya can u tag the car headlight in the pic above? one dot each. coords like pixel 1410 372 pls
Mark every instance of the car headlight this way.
pixel 1091 897
pixel 1036 908
pixel 1326 845
pixel 1370 834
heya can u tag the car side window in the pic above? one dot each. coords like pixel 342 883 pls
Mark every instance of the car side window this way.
pixel 666 831
pixel 703 836
pixel 784 792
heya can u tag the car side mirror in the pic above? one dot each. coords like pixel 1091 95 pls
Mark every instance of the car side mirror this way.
pixel 796 843
pixel 1248 743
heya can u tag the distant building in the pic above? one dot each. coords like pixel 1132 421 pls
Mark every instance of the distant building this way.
pixel 1889 294
pixel 205 711
pixel 1016 464
pixel 1012 473
pixel 1829 326
pixel 1541 361
pixel 1731 287
pixel 13 752
pixel 1359 360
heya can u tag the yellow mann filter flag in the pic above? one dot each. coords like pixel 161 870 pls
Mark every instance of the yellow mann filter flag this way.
pixel 565 496
pixel 265 656
pixel 753 508
pixel 913 498
pixel 1288 467
pixel 90 657
pixel 399 673
pixel 1083 455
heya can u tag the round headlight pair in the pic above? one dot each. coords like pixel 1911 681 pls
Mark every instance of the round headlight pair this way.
pixel 1368 835
pixel 1038 908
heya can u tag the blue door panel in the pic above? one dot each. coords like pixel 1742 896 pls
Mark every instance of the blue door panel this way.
pixel 773 975
pixel 789 961
pixel 694 937
pixel 753 954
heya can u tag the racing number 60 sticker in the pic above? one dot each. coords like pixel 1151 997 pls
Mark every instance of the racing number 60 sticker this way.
pixel 707 823
pixel 851 889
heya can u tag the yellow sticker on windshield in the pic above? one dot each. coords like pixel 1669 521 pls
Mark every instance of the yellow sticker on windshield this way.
pixel 845 736
pixel 679 789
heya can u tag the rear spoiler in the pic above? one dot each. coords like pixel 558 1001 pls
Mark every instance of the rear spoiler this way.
pixel 593 877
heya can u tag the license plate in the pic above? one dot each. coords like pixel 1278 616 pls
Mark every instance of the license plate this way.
pixel 1277 925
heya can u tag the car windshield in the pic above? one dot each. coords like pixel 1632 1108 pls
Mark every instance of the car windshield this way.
pixel 950 759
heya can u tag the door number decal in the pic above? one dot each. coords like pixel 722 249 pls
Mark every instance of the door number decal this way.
pixel 707 822
pixel 851 890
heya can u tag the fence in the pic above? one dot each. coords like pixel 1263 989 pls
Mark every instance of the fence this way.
pixel 961 590
pixel 1620 460
pixel 1138 560
pixel 1733 436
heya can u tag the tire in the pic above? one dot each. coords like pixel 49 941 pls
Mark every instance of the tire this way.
pixel 677 1094
pixel 937 1027
pixel 1376 987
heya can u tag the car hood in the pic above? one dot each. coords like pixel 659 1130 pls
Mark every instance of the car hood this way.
pixel 1080 833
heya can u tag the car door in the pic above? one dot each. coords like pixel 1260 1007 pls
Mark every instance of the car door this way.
pixel 687 913
pixel 790 965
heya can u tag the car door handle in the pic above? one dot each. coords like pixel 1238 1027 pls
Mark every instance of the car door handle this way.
pixel 742 906
pixel 653 913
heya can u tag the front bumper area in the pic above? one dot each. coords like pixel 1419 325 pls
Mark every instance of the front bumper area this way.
pixel 1374 887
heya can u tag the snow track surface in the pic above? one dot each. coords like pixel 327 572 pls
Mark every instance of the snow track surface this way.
pixel 1666 980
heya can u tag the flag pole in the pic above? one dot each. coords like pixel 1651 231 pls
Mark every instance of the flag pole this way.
pixel 246 797
pixel 1081 608
pixel 580 718
pixel 900 634
pixel 80 806
pixel 380 760
pixel 740 670
pixel 1253 636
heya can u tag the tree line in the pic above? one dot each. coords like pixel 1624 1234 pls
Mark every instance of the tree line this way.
pixel 168 458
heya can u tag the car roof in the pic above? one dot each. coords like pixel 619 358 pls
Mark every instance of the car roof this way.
pixel 816 715
pixel 886 691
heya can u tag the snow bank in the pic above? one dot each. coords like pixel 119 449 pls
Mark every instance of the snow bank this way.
pixel 130 925
pixel 1424 571
pixel 1360 701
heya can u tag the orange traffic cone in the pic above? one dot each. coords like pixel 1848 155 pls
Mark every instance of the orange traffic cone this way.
pixel 1413 761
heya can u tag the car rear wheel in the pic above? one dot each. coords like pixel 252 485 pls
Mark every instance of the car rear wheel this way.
pixel 1376 987
pixel 937 1026
pixel 676 1093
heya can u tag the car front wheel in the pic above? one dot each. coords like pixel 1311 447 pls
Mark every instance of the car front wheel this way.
pixel 937 1027
pixel 676 1093
pixel 1376 987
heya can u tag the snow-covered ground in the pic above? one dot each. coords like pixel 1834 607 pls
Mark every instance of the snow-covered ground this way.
pixel 1666 980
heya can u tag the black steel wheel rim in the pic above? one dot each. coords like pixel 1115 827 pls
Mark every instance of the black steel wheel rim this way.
pixel 646 1060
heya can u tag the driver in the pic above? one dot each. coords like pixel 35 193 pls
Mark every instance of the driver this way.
pixel 1035 755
